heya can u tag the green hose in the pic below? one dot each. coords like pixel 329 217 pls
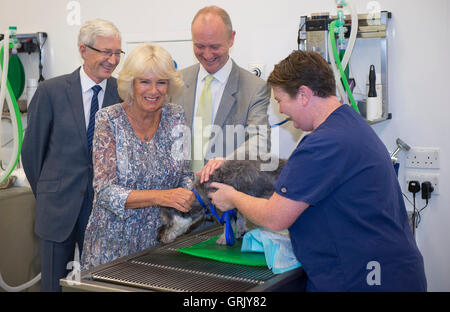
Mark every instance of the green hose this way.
pixel 339 65
pixel 17 115
pixel 347 70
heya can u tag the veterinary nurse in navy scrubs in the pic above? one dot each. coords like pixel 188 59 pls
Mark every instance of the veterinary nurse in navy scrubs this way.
pixel 338 194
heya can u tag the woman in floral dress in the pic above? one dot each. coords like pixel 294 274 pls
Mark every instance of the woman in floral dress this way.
pixel 137 168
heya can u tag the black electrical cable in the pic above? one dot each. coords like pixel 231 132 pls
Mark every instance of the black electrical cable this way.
pixel 419 217
pixel 408 199
pixel 298 34
pixel 413 204
pixel 414 215
pixel 41 46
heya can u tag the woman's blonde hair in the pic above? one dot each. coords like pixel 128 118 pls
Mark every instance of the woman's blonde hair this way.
pixel 144 59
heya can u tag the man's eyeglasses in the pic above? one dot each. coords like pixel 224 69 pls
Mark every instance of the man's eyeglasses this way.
pixel 107 53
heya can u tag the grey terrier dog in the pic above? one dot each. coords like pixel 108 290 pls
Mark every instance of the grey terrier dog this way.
pixel 244 175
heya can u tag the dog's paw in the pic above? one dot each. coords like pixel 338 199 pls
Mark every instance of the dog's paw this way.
pixel 240 233
pixel 222 240
pixel 168 237
pixel 241 226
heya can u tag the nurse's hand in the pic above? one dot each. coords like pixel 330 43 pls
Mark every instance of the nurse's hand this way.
pixel 222 198
pixel 209 168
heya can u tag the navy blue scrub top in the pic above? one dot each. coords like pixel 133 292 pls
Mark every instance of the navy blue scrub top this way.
pixel 355 235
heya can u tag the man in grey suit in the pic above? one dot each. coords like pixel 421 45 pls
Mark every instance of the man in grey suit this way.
pixel 239 98
pixel 57 148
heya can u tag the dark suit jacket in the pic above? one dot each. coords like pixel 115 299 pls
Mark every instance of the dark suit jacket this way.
pixel 245 101
pixel 55 153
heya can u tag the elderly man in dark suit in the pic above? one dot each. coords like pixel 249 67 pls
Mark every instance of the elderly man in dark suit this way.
pixel 57 148
pixel 221 94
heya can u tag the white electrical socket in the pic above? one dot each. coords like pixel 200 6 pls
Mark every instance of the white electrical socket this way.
pixel 257 69
pixel 423 157
pixel 433 178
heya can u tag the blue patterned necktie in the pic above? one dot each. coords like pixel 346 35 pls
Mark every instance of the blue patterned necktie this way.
pixel 94 109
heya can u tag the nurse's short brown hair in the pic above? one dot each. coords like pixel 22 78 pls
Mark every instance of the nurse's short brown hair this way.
pixel 301 68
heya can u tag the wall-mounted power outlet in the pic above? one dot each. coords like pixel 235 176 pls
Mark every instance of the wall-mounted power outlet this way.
pixel 423 177
pixel 423 157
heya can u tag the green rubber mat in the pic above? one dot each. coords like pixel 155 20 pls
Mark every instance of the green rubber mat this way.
pixel 229 254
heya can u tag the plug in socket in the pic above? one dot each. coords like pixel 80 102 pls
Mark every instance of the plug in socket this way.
pixel 433 178
pixel 427 189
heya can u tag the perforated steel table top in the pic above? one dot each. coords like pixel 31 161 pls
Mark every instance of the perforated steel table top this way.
pixel 163 268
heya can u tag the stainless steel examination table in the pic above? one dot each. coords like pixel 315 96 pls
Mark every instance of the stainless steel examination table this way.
pixel 163 268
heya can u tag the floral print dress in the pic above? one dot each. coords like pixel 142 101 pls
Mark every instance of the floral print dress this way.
pixel 122 163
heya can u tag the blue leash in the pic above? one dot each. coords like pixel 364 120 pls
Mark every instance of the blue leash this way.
pixel 226 218
pixel 280 123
